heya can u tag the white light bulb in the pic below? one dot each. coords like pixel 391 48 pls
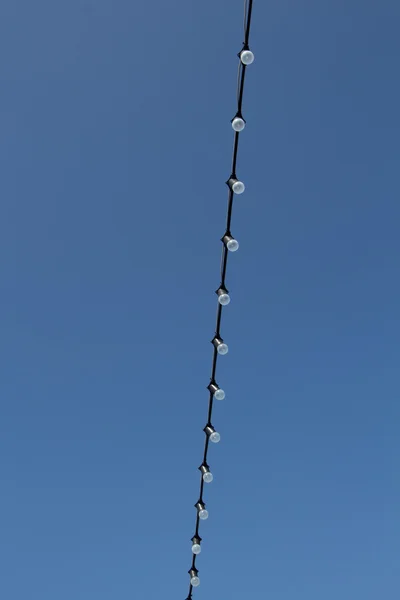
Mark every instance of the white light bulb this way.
pixel 247 57
pixel 196 548
pixel 215 437
pixel 222 349
pixel 238 124
pixel 219 394
pixel 208 477
pixel 224 299
pixel 203 514
pixel 232 245
pixel 195 581
pixel 238 187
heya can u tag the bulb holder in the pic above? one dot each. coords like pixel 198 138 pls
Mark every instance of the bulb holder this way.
pixel 199 506
pixel 204 468
pixel 221 290
pixel 238 114
pixel 217 341
pixel 213 387
pixel 232 179
pixel 196 539
pixel 209 429
pixel 244 47
pixel 193 572
pixel 228 237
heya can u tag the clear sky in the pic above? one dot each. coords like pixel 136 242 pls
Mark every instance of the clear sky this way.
pixel 115 145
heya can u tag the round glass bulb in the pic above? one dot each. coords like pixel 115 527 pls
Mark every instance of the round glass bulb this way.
pixel 247 57
pixel 238 187
pixel 238 124
pixel 203 514
pixel 215 437
pixel 195 581
pixel 219 394
pixel 196 548
pixel 208 477
pixel 233 245
pixel 222 349
pixel 224 299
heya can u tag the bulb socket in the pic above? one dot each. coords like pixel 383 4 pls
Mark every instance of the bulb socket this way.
pixel 200 506
pixel 193 572
pixel 209 429
pixel 212 387
pixel 238 114
pixel 196 539
pixel 245 47
pixel 221 290
pixel 227 238
pixel 204 468
pixel 232 179
pixel 217 341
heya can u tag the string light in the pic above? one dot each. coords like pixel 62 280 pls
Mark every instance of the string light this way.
pixel 219 345
pixel 247 57
pixel 194 577
pixel 213 435
pixel 238 123
pixel 216 391
pixel 196 544
pixel 201 510
pixel 230 244
pixel 223 296
pixel 236 186
pixel 206 474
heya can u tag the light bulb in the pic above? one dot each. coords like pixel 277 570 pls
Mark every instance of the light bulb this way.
pixel 238 124
pixel 203 514
pixel 238 187
pixel 222 349
pixel 247 57
pixel 224 299
pixel 219 394
pixel 215 437
pixel 195 581
pixel 232 245
pixel 196 548
pixel 208 477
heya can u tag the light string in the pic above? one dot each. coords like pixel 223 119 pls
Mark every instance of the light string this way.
pixel 246 57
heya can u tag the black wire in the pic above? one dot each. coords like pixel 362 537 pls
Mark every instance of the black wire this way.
pixel 248 7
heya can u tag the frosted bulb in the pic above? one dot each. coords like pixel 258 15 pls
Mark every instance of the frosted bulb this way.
pixel 224 299
pixel 232 245
pixel 247 57
pixel 203 514
pixel 238 124
pixel 208 477
pixel 222 349
pixel 195 581
pixel 196 548
pixel 215 437
pixel 238 187
pixel 219 394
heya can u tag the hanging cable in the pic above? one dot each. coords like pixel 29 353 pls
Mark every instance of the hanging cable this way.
pixel 230 244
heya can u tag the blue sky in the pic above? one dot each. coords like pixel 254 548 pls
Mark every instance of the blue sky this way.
pixel 115 145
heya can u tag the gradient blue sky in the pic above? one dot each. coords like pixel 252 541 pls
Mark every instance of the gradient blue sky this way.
pixel 115 145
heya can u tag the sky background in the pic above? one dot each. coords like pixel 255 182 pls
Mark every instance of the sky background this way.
pixel 115 145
